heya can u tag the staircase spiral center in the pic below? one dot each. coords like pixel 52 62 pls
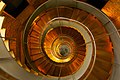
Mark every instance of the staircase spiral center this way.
pixel 64 50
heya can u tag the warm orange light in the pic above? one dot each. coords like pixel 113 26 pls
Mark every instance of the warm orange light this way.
pixel 107 12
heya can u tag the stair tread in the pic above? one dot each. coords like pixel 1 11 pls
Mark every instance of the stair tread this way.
pixel 100 73
pixel 82 15
pixel 75 14
pixel 42 66
pixel 105 65
pixel 65 71
pixel 51 71
pixel 105 55
pixel 65 12
pixel 32 39
pixel 56 71
pixel 52 13
pixel 34 51
pixel 48 67
pixel 35 57
pixel 39 61
pixel 92 77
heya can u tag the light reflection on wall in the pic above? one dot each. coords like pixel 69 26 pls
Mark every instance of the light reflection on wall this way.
pixel 112 10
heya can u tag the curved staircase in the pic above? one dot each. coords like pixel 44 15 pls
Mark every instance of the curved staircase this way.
pixel 65 42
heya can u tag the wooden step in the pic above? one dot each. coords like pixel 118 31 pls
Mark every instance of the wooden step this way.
pixel 34 45
pixel 35 57
pixel 88 20
pixel 34 33
pixel 52 13
pixel 51 71
pixel 65 12
pixel 57 71
pixel 75 14
pixel 81 57
pixel 107 56
pixel 82 16
pixel 100 73
pixel 92 77
pixel 105 65
pixel 34 51
pixel 42 66
pixel 32 39
pixel 41 24
pixel 82 53
pixel 81 48
pixel 39 61
pixel 75 65
pixel 34 36
pixel 65 71
pixel 51 36
pixel 104 46
pixel 48 67
pixel 45 18
pixel 37 28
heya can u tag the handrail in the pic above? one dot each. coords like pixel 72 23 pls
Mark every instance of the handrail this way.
pixel 109 26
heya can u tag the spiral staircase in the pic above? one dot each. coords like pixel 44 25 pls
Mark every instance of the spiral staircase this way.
pixel 63 40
